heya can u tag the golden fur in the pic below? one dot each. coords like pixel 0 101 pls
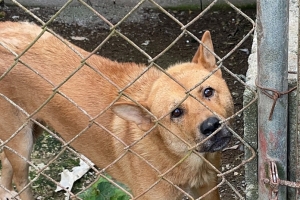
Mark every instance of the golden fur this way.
pixel 169 140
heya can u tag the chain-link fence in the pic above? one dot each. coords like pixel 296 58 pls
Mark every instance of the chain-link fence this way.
pixel 77 100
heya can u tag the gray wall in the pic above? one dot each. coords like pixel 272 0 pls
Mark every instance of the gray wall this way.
pixel 164 3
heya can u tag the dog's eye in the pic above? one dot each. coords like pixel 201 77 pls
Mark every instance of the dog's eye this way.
pixel 177 113
pixel 208 92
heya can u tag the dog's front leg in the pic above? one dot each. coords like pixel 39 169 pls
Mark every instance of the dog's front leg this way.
pixel 16 162
pixel 6 177
pixel 7 173
pixel 20 173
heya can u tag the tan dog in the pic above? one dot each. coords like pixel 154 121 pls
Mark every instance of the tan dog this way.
pixel 160 134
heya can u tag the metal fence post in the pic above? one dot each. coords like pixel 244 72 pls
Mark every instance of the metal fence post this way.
pixel 272 35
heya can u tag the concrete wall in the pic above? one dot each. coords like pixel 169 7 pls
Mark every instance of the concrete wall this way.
pixel 115 10
pixel 124 3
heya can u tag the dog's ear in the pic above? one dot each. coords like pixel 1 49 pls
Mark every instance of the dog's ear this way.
pixel 203 56
pixel 134 113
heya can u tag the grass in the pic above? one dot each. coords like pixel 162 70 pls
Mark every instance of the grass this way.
pixel 104 190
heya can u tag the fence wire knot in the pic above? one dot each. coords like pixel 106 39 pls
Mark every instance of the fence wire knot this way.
pixel 274 181
pixel 275 95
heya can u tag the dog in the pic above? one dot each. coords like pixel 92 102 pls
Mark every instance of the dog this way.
pixel 160 136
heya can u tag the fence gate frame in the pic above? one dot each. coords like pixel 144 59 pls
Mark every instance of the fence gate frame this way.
pixel 272 82
pixel 278 119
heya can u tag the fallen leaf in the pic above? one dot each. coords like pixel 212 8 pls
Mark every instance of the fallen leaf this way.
pixel 78 38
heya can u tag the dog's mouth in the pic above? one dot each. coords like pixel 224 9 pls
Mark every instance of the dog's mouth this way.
pixel 217 142
pixel 218 145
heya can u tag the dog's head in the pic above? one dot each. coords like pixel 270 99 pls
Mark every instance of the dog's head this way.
pixel 187 107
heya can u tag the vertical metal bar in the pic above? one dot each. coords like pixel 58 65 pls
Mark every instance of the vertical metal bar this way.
pixel 272 48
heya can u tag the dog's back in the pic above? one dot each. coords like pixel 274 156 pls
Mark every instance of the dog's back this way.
pixel 45 63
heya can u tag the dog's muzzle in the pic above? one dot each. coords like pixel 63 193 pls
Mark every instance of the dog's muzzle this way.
pixel 219 140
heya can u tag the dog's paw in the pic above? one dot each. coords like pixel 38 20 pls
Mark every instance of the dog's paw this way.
pixel 12 195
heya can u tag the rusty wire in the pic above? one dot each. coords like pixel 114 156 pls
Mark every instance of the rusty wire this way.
pixel 275 182
pixel 275 95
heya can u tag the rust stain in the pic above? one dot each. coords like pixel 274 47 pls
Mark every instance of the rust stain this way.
pixel 262 163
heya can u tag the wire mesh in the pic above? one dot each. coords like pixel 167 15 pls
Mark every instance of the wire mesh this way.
pixel 63 155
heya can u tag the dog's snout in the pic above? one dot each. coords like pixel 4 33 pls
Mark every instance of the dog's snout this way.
pixel 210 125
pixel 220 140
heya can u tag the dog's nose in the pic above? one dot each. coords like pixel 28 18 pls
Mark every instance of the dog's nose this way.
pixel 210 125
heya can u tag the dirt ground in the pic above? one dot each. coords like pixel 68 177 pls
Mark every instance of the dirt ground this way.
pixel 153 35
